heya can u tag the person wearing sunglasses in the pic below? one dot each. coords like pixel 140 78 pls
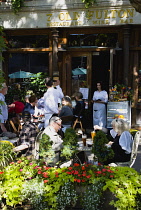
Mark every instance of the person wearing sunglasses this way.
pixel 51 130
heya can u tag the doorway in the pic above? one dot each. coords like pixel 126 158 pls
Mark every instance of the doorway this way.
pixel 100 69
pixel 81 70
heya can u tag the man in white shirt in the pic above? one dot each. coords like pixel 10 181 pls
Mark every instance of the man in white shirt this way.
pixel 56 84
pixel 51 130
pixel 3 107
pixel 50 100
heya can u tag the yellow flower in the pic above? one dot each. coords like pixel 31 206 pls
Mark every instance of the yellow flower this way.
pixel 6 142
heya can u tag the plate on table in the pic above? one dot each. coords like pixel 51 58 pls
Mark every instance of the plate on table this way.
pixel 89 142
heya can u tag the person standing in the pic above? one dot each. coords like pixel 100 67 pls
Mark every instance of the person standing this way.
pixel 56 84
pixel 100 99
pixel 3 107
pixel 50 101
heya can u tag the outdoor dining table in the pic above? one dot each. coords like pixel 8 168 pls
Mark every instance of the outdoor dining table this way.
pixel 87 149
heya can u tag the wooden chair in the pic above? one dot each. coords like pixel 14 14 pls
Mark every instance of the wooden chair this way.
pixel 15 124
pixel 67 119
pixel 133 152
pixel 78 120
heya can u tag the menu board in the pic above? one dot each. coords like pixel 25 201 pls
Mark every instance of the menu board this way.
pixel 121 109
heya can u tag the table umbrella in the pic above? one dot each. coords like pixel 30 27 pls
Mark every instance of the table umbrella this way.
pixel 21 74
pixel 79 71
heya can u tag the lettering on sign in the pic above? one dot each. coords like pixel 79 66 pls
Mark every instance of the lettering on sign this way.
pixel 91 17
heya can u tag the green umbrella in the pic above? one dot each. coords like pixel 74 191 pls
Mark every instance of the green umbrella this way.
pixel 21 74
pixel 79 71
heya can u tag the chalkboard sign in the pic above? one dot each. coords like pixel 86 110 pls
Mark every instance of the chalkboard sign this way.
pixel 121 109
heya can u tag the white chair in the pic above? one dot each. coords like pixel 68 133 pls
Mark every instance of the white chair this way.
pixel 37 143
pixel 133 152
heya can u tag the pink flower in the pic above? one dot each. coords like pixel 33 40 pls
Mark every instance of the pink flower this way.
pixel 20 169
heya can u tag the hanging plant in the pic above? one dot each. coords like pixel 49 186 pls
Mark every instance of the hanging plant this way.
pixel 88 3
pixel 16 5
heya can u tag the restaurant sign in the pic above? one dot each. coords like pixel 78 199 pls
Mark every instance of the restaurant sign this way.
pixel 72 18
pixel 93 17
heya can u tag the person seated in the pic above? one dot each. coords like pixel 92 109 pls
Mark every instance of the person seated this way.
pixel 66 111
pixel 30 107
pixel 51 130
pixel 79 109
pixel 27 137
pixel 122 141
pixel 80 105
pixel 16 107
pixel 39 107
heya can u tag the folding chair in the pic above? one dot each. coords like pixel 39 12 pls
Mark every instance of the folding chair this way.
pixel 133 152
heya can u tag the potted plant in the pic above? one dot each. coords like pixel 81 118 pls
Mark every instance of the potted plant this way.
pixel 99 149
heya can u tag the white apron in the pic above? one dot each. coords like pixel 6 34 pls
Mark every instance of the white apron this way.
pixel 99 110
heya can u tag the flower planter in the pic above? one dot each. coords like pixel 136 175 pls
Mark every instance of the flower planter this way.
pixel 106 199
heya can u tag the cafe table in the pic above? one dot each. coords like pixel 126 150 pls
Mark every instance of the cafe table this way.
pixel 87 149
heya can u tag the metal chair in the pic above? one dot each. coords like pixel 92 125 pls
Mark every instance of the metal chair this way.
pixel 133 152
pixel 37 144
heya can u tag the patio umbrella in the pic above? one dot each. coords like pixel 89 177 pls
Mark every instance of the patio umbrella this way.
pixel 79 71
pixel 21 74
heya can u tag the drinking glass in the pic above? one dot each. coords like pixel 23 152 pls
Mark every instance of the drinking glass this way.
pixel 93 133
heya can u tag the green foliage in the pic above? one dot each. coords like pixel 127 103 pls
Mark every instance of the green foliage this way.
pixel 37 84
pixel 6 153
pixel 55 188
pixel 2 42
pixel 69 144
pixel 88 3
pixel 70 199
pixel 70 137
pixel 92 196
pixel 34 85
pixel 100 150
pixel 126 186
pixel 16 5
pixel 2 80
pixel 45 149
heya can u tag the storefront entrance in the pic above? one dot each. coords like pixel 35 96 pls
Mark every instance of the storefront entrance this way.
pixel 88 68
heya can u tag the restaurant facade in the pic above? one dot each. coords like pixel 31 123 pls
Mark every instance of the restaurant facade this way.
pixel 80 46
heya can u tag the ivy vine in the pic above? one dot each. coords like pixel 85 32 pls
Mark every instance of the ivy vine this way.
pixel 16 5
pixel 88 3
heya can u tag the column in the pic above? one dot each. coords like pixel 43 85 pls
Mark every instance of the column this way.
pixel 126 34
pixel 55 52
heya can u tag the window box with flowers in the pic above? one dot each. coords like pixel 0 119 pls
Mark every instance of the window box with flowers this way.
pixel 25 182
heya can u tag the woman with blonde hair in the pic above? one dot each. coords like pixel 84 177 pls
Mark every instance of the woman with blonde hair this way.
pixel 122 141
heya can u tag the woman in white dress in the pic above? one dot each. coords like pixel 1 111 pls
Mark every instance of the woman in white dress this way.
pixel 100 99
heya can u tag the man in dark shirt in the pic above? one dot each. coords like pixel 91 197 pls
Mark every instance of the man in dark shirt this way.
pixel 27 137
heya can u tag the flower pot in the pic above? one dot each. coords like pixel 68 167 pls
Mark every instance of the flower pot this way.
pixel 106 199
